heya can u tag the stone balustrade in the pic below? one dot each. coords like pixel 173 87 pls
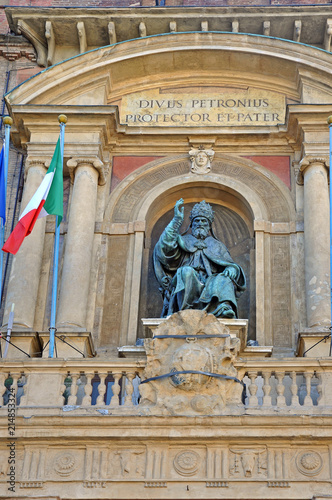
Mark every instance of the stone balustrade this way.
pixel 269 385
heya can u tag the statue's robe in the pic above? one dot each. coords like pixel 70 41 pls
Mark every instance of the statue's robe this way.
pixel 189 271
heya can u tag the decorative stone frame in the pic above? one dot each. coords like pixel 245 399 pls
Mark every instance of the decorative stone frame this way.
pixel 258 196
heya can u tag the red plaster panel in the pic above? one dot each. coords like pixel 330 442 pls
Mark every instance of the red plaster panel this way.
pixel 125 165
pixel 279 165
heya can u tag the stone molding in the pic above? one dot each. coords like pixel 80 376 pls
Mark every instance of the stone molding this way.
pixel 93 161
pixel 268 196
pixel 71 76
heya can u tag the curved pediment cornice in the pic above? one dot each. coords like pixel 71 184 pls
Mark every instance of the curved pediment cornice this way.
pixel 104 75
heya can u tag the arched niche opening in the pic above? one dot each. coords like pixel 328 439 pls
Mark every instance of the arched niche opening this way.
pixel 142 204
pixel 233 225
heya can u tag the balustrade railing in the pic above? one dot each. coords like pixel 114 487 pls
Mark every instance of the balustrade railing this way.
pixel 268 384
pixel 282 388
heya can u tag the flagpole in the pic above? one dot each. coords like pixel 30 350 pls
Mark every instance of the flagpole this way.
pixel 62 120
pixel 8 121
pixel 329 121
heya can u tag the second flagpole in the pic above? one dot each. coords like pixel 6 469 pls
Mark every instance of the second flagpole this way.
pixel 8 121
pixel 62 120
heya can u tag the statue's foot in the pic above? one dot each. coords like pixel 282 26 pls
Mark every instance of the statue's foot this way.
pixel 226 311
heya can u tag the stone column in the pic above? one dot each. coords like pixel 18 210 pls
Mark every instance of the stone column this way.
pixel 73 300
pixel 25 271
pixel 316 241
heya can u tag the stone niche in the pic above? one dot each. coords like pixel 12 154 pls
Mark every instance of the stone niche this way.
pixel 232 230
pixel 190 367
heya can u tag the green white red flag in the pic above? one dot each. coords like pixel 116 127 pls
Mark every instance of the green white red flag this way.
pixel 48 199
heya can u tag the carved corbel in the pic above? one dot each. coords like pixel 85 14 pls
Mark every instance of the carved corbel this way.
pixel 82 37
pixel 112 32
pixel 172 27
pixel 266 28
pixel 328 35
pixel 235 26
pixel 95 162
pixel 142 30
pixel 298 173
pixel 40 46
pixel 297 31
pixel 49 34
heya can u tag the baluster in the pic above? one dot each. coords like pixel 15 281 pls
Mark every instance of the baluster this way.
pixel 294 390
pixel 61 398
pixel 281 401
pixel 116 390
pixel 15 377
pixel 253 400
pixel 3 388
pixel 267 400
pixel 88 390
pixel 73 390
pixel 23 397
pixel 307 400
pixel 319 388
pixel 101 389
pixel 129 389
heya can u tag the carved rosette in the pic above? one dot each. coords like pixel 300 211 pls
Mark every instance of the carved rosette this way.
pixel 187 463
pixel 64 464
pixel 309 463
pixel 190 367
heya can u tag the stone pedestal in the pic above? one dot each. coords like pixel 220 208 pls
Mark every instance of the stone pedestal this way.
pixel 22 343
pixel 313 343
pixel 69 344
pixel 238 328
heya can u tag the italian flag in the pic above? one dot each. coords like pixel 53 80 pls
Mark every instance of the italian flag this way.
pixel 48 199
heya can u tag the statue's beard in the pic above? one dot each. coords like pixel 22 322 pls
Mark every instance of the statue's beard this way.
pixel 200 233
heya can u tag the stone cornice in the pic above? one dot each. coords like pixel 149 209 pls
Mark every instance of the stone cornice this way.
pixel 120 24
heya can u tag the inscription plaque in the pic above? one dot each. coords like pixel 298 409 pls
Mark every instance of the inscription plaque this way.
pixel 227 108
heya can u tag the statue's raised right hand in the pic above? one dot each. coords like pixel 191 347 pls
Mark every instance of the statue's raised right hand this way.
pixel 179 209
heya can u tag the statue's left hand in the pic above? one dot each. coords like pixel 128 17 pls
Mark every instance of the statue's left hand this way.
pixel 230 272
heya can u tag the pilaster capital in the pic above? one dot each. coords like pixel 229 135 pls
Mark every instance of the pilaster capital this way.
pixel 313 159
pixel 309 160
pixel 92 161
pixel 35 161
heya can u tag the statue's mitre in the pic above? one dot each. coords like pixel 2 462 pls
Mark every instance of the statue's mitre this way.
pixel 202 209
